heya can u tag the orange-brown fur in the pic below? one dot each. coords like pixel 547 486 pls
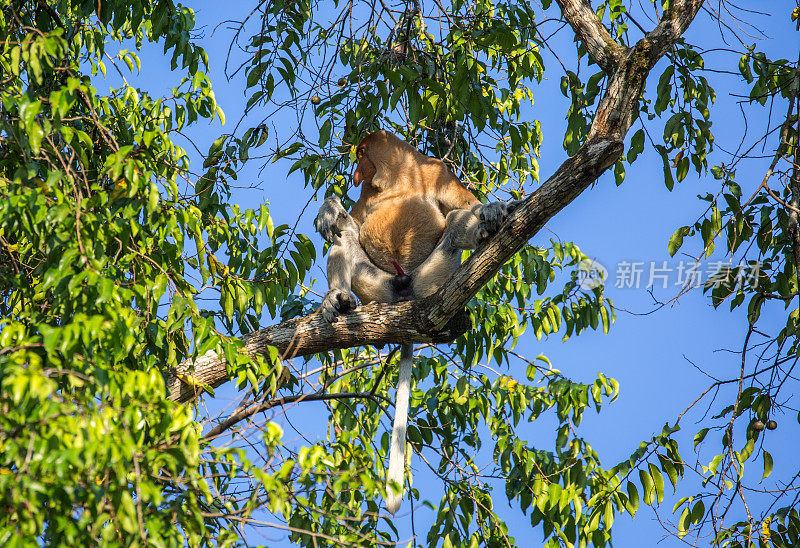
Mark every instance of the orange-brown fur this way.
pixel 404 200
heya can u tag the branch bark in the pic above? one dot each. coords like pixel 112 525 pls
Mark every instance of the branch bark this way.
pixel 602 48
pixel 373 324
pixel 441 317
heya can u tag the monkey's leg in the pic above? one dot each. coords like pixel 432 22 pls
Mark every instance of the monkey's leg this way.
pixel 335 225
pixel 397 449
pixel 465 229
pixel 349 267
pixel 338 299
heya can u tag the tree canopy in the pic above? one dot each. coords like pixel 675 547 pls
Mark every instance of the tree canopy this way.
pixel 133 285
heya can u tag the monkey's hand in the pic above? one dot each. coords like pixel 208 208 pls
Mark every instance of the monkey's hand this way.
pixel 336 302
pixel 492 216
pixel 332 219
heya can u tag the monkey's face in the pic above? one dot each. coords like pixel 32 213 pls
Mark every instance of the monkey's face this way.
pixel 365 170
pixel 380 154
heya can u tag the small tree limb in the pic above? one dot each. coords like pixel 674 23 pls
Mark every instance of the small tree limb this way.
pixel 258 407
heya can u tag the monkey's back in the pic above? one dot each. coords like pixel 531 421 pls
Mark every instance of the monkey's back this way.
pixel 405 229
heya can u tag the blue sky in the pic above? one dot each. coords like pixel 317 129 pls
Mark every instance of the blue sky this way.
pixel 651 355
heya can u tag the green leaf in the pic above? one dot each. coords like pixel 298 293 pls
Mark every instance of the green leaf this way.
pixel 658 482
pixel 216 146
pixel 649 496
pixel 670 469
pixel 668 180
pixel 35 136
pixel 325 133
pixel 684 522
pixel 744 68
pixel 619 172
pixel 633 499
pixel 698 511
pixel 636 147
pixel 676 240
pixel 767 465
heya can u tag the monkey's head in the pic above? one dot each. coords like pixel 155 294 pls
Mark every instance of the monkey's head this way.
pixel 380 155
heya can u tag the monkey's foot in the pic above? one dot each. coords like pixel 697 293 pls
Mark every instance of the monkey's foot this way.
pixel 332 219
pixel 492 216
pixel 335 303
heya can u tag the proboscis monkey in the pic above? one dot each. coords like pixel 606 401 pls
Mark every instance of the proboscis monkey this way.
pixel 414 217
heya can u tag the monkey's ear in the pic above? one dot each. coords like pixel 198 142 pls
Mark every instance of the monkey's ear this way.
pixel 365 170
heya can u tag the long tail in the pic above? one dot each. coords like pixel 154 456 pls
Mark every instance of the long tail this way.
pixel 397 450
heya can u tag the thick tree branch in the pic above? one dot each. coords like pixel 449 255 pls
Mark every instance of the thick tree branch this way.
pixel 441 317
pixel 619 105
pixel 602 48
pixel 673 24
pixel 373 324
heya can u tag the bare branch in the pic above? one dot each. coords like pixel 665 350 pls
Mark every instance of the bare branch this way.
pixel 258 407
pixel 673 24
pixel 602 48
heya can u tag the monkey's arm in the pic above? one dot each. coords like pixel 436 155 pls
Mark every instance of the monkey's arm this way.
pixel 349 267
pixel 453 195
pixel 491 216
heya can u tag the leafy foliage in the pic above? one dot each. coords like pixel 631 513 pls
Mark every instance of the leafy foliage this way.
pixel 118 262
pixel 98 292
pixel 760 269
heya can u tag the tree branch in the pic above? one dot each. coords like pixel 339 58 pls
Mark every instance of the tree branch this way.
pixel 619 106
pixel 602 48
pixel 673 24
pixel 372 324
pixel 258 407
